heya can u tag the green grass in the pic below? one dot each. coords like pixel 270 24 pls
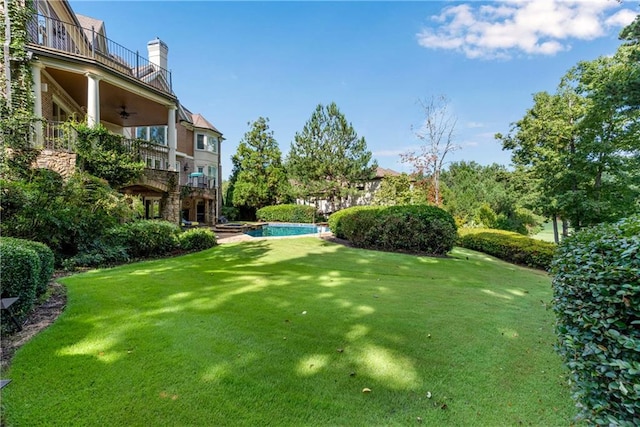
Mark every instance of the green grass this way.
pixel 546 233
pixel 249 334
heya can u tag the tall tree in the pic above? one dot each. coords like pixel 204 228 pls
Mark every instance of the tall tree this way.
pixel 261 179
pixel 327 159
pixel 582 144
pixel 437 133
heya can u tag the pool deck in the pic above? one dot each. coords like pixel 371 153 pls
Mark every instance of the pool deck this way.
pixel 231 237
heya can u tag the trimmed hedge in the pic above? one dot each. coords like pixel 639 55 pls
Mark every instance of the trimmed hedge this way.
pixel 20 278
pixel 596 286
pixel 197 239
pixel 509 246
pixel 335 219
pixel 413 228
pixel 146 238
pixel 47 262
pixel 288 213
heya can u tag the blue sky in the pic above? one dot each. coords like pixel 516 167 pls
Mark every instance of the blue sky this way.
pixel 236 61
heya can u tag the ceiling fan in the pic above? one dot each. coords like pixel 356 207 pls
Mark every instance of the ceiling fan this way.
pixel 124 114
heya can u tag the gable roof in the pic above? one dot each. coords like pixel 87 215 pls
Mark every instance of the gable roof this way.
pixel 382 172
pixel 200 122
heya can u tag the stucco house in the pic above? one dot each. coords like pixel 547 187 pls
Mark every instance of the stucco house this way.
pixel 78 71
pixel 365 192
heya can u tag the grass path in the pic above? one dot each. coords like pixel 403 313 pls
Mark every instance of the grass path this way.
pixel 289 332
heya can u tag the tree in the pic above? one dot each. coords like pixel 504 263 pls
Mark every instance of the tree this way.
pixel 327 159
pixel 394 190
pixel 261 178
pixel 437 135
pixel 489 196
pixel 581 144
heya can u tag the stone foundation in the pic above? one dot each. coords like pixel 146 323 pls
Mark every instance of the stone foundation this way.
pixel 61 162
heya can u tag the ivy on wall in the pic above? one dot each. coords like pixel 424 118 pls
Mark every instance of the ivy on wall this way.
pixel 17 118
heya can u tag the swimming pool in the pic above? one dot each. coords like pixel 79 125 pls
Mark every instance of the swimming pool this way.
pixel 279 230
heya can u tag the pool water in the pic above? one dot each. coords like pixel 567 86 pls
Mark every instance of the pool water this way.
pixel 273 230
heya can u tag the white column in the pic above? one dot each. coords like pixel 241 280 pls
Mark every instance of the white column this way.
pixel 93 99
pixel 172 136
pixel 36 67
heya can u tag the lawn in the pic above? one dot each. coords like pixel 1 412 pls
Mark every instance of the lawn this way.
pixel 290 332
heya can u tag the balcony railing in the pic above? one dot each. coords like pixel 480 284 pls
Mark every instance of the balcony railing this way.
pixel 198 180
pixel 63 138
pixel 58 137
pixel 86 43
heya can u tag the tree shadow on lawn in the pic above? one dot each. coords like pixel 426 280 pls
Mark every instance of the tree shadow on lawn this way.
pixel 293 338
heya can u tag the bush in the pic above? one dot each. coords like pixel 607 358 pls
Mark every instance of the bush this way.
pixel 20 278
pixel 596 289
pixel 197 239
pixel 288 213
pixel 99 253
pixel 509 246
pixel 335 219
pixel 146 238
pixel 414 228
pixel 47 261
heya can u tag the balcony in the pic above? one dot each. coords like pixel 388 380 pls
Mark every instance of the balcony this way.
pixel 63 138
pixel 52 35
pixel 200 180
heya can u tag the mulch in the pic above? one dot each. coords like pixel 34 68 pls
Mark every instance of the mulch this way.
pixel 40 318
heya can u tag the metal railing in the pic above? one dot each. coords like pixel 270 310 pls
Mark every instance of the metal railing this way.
pixel 58 137
pixel 63 138
pixel 72 39
pixel 201 182
pixel 155 156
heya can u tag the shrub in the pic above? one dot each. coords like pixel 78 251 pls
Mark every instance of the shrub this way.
pixel 197 239
pixel 47 261
pixel 99 253
pixel 509 246
pixel 596 289
pixel 146 238
pixel 415 228
pixel 335 219
pixel 20 278
pixel 288 213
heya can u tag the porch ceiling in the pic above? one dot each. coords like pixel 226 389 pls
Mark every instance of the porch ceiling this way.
pixel 143 111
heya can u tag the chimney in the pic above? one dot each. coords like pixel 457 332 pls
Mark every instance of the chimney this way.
pixel 158 52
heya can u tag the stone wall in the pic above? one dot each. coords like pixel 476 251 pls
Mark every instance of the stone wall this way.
pixel 58 161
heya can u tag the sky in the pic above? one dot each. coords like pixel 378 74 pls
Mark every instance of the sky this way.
pixel 234 62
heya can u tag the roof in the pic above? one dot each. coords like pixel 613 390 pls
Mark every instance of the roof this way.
pixel 87 22
pixel 382 172
pixel 200 122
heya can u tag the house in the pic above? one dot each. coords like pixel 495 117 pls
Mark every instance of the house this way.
pixel 78 71
pixel 365 192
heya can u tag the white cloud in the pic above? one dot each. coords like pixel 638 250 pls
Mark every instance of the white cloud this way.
pixel 533 27
pixel 475 125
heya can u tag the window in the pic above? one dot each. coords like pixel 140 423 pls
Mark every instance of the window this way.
pixel 212 144
pixel 200 141
pixel 142 133
pixel 200 169
pixel 207 142
pixel 59 114
pixel 212 172
pixel 155 134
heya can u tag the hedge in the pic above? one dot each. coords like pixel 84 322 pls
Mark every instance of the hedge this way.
pixel 47 261
pixel 20 278
pixel 335 219
pixel 288 213
pixel 596 287
pixel 197 239
pixel 146 238
pixel 413 228
pixel 509 246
